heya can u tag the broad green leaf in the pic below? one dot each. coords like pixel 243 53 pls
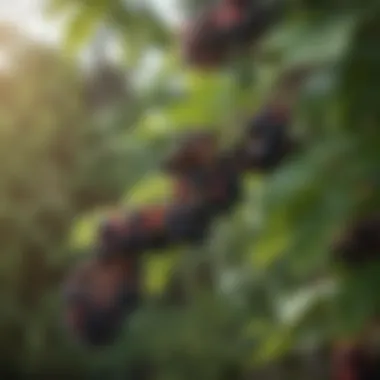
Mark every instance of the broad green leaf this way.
pixel 84 231
pixel 293 309
pixel 305 41
pixel 151 189
pixel 269 246
pixel 206 99
pixel 82 27
pixel 157 271
pixel 275 344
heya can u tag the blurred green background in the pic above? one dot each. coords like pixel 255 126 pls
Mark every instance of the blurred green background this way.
pixel 80 137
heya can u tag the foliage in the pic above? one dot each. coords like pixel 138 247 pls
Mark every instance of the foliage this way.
pixel 276 288
pixel 53 152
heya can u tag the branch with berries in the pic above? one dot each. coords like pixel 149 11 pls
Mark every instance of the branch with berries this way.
pixel 102 292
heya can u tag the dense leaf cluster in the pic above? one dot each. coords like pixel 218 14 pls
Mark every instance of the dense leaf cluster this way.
pixel 263 284
pixel 208 183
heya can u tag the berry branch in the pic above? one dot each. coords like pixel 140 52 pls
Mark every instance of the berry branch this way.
pixel 207 181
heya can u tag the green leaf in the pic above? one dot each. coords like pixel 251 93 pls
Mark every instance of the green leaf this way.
pixel 157 271
pixel 208 103
pixel 84 231
pixel 82 27
pixel 305 40
pixel 293 309
pixel 152 189
pixel 276 344
pixel 269 246
pixel 56 7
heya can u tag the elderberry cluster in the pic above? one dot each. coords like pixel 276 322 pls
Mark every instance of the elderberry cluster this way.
pixel 207 183
pixel 226 30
